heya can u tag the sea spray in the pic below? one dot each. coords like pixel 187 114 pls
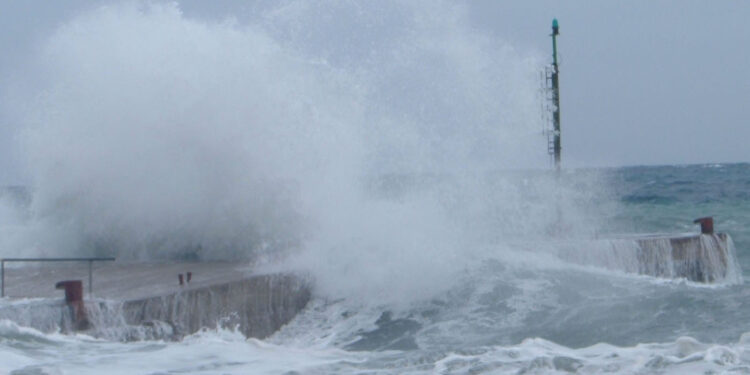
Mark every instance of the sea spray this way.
pixel 160 136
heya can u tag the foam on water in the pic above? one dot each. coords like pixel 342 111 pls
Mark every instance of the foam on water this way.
pixel 25 351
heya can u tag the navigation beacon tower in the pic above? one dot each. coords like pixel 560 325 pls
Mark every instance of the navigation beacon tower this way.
pixel 552 88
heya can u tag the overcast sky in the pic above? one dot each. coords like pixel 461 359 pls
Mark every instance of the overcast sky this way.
pixel 642 82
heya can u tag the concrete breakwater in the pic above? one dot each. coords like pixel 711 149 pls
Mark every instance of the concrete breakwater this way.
pixel 146 301
pixel 135 301
pixel 257 306
pixel 703 258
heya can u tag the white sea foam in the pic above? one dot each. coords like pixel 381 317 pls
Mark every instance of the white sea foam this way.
pixel 227 352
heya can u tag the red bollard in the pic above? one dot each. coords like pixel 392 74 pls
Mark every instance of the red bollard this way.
pixel 74 299
pixel 707 224
pixel 73 290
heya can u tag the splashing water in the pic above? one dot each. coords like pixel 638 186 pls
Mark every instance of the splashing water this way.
pixel 376 140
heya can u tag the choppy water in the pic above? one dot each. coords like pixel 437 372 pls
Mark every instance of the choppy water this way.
pixel 510 311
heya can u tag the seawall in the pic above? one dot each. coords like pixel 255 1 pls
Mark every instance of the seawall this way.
pixel 257 306
pixel 702 258
pixel 133 301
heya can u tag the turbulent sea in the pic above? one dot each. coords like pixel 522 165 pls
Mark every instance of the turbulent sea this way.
pixel 509 311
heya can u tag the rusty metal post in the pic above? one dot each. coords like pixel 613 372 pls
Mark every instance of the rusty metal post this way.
pixel 74 300
pixel 73 290
pixel 707 224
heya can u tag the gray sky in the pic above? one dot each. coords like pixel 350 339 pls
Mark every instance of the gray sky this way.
pixel 643 82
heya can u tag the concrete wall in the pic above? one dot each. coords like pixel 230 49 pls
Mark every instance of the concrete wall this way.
pixel 255 305
pixel 704 258
pixel 258 306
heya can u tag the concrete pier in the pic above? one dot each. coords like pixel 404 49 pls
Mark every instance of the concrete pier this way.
pixel 133 301
pixel 703 258
pixel 257 306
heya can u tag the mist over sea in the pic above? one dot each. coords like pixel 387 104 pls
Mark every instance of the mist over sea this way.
pixel 391 152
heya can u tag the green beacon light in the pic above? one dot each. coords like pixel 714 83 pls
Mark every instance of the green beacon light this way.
pixel 555 27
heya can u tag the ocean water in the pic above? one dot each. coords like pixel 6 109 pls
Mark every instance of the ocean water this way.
pixel 500 315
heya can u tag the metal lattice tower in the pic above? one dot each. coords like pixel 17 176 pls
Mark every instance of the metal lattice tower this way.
pixel 551 90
